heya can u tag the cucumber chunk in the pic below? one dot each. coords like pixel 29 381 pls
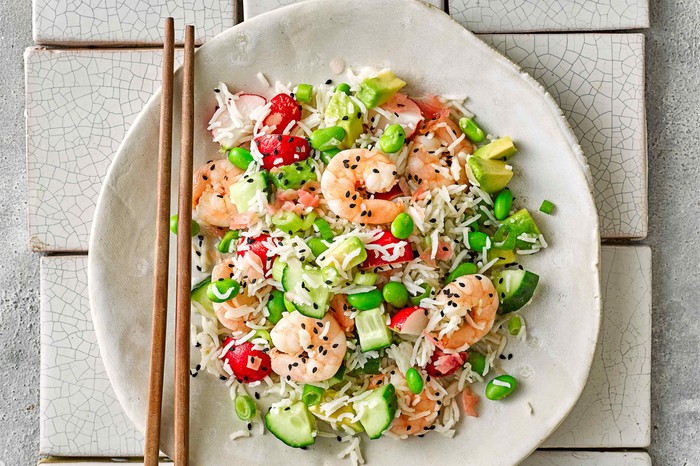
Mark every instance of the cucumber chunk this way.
pixel 294 425
pixel 244 190
pixel 378 410
pixel 515 289
pixel 372 330
pixel 199 294
pixel 304 283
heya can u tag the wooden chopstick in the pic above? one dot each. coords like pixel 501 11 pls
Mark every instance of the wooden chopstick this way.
pixel 162 247
pixel 184 259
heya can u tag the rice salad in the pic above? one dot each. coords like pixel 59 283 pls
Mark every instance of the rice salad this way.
pixel 357 255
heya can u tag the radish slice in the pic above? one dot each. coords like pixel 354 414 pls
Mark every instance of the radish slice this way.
pixel 409 321
pixel 400 110
pixel 234 123
pixel 246 103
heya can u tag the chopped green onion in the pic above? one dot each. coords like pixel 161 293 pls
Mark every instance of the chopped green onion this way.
pixel 264 334
pixel 317 246
pixel 414 380
pixel 275 305
pixel 194 230
pixel 547 207
pixel 324 229
pixel 465 268
pixel 289 222
pixel 304 93
pixel 278 267
pixel 415 300
pixel 245 407
pixel 311 395
pixel 309 220
pixel 365 278
pixel 226 244
pixel 515 324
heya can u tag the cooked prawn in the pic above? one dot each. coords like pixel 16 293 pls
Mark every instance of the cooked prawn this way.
pixel 437 156
pixel 475 300
pixel 305 349
pixel 422 409
pixel 210 193
pixel 234 313
pixel 338 306
pixel 360 168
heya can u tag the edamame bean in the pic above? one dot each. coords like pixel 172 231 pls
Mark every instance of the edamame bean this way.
pixel 502 204
pixel 414 381
pixel 327 139
pixel 221 291
pixel 226 243
pixel 478 240
pixel 472 130
pixel 317 246
pixel 365 301
pixel 402 226
pixel 392 139
pixel 245 407
pixel 194 229
pixel 515 324
pixel 478 362
pixel 304 93
pixel 396 294
pixel 465 268
pixel 275 306
pixel 500 387
pixel 240 157
pixel 343 87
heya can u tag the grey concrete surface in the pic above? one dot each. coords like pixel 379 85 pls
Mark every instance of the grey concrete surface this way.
pixel 673 103
pixel 19 269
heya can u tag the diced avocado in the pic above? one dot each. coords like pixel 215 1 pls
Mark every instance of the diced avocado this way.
pixel 378 410
pixel 294 425
pixel 372 330
pixel 337 254
pixel 515 289
pixel 293 176
pixel 297 281
pixel 505 256
pixel 506 237
pixel 244 190
pixel 344 112
pixel 328 395
pixel 379 90
pixel 498 149
pixel 491 175
pixel 199 294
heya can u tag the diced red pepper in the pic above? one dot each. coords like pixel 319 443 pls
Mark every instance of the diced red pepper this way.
pixel 278 150
pixel 390 195
pixel 247 364
pixel 443 364
pixel 283 110
pixel 256 246
pixel 375 259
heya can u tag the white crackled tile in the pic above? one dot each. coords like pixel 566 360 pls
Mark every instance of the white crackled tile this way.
pixel 119 22
pixel 252 8
pixel 79 413
pixel 80 104
pixel 498 16
pixel 612 412
pixel 538 458
pixel 598 81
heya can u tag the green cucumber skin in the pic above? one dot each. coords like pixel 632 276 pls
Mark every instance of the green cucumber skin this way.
pixel 199 294
pixel 388 395
pixel 520 296
pixel 281 435
pixel 380 342
pixel 289 281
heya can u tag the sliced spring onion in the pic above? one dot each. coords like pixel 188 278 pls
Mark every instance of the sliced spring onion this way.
pixel 547 207
pixel 365 278
pixel 288 222
pixel 245 407
pixel 324 229
pixel 278 270
pixel 304 93
pixel 309 220
pixel 312 395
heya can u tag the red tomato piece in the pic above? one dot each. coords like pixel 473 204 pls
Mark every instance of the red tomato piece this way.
pixel 375 259
pixel 248 364
pixel 256 246
pixel 278 150
pixel 283 110
pixel 443 364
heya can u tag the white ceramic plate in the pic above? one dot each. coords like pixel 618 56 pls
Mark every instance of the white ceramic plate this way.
pixel 433 53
